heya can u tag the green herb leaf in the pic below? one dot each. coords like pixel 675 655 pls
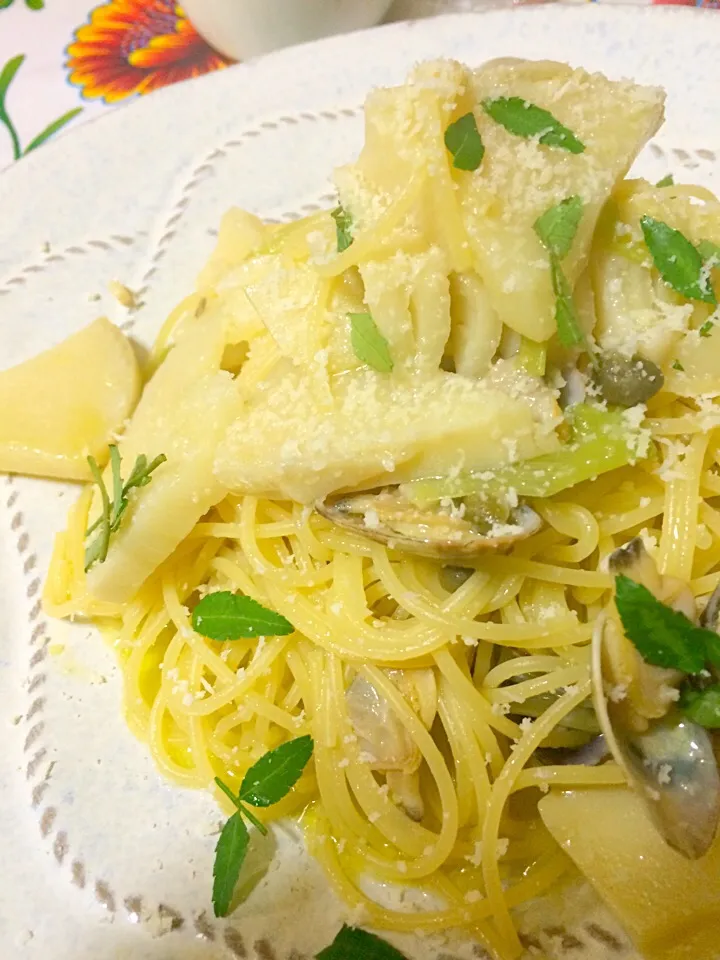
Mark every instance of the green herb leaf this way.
pixel 140 475
pixel 702 706
pixel 111 518
pixel 679 263
pixel 368 343
pixel 706 329
pixel 99 547
pixel 463 140
pixel 664 637
pixel 276 773
pixel 232 616
pixel 343 223
pixel 354 944
pixel 667 181
pixel 558 225
pixel 230 854
pixel 51 129
pixel 569 331
pixel 117 506
pixel 676 365
pixel 525 119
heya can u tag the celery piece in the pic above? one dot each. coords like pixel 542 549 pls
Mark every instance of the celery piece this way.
pixel 531 357
pixel 601 441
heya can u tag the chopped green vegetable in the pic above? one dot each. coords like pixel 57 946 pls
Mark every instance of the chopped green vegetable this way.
pixel 275 774
pixel 677 260
pixel 702 706
pixel 532 357
pixel 569 331
pixel 266 782
pixel 369 345
pixel 676 365
pixel 112 512
pixel 343 223
pixel 354 944
pixel 601 441
pixel 558 225
pixel 231 616
pixel 230 853
pixel 463 140
pixel 525 119
pixel 706 329
pixel 667 181
pixel 662 636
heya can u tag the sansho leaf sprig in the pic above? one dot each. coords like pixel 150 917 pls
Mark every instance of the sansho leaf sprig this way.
pixel 265 783
pixel 112 511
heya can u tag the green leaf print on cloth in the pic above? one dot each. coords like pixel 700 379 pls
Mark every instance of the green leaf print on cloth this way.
pixel 30 4
pixel 7 75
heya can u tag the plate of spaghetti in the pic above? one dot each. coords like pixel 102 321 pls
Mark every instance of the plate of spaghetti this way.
pixel 396 533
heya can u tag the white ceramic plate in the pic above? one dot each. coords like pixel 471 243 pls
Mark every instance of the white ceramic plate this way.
pixel 101 859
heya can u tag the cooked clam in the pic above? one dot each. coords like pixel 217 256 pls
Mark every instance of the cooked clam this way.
pixel 710 617
pixel 668 759
pixel 446 531
pixel 383 741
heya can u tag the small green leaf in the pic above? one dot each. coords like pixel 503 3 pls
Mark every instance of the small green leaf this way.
pixel 230 854
pixel 141 473
pixel 117 505
pixel 232 616
pixel 525 119
pixel 352 943
pixel 569 331
pixel 369 344
pixel 558 225
pixel 662 636
pixel 97 551
pixel 276 773
pixel 706 329
pixel 702 706
pixel 343 224
pixel 676 365
pixel 35 4
pixel 667 181
pixel 677 260
pixel 52 128
pixel 463 140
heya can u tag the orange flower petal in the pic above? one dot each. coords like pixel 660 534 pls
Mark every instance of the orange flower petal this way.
pixel 134 46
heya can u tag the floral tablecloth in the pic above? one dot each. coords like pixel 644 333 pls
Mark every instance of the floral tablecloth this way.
pixel 65 61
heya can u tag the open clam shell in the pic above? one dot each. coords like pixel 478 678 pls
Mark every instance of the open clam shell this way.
pixel 437 531
pixel 672 766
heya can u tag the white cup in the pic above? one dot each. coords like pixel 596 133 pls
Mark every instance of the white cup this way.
pixel 246 28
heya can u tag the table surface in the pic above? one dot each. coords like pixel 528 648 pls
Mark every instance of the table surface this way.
pixel 63 63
